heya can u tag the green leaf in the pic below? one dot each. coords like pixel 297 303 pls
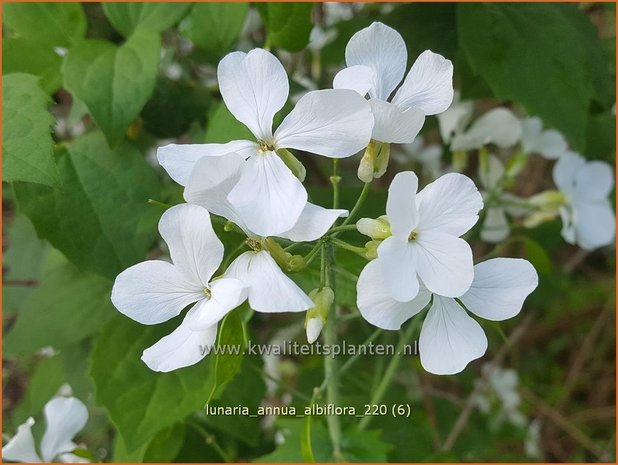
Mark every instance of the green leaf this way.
pixel 50 24
pixel 162 449
pixel 288 24
pixel 222 127
pixel 544 56
pixel 100 220
pixel 157 17
pixel 26 56
pixel 26 136
pixel 141 402
pixel 226 365
pixel 67 307
pixel 215 27
pixel 22 263
pixel 538 256
pixel 174 106
pixel 114 82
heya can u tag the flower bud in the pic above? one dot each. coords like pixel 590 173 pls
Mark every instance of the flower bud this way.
pixel 378 229
pixel 539 217
pixel 316 317
pixel 296 263
pixel 372 249
pixel 548 200
pixel 313 327
pixel 296 167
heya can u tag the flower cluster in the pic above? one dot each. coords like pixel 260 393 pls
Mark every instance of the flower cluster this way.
pixel 420 259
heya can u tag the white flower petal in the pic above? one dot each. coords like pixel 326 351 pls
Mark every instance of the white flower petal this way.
pixel 268 197
pixel 195 249
pixel 377 306
pixel 65 417
pixel 313 223
pixel 550 143
pixel 179 159
pixel 594 181
pixel 568 224
pixel 153 291
pixel 565 171
pixel 595 224
pixel 336 123
pixel 399 273
pixel 313 329
pixel 443 262
pixel 20 447
pixel 495 226
pixel 211 180
pixel 450 339
pixel 455 119
pixel 450 204
pixel 491 173
pixel 226 295
pixel 500 287
pixel 359 78
pixel 394 124
pixel 181 348
pixel 269 289
pixel 382 49
pixel 498 126
pixel 428 86
pixel 401 208
pixel 254 87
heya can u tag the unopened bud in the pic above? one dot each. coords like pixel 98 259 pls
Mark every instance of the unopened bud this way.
pixel 316 317
pixel 548 200
pixel 535 219
pixel 296 263
pixel 314 328
pixel 371 248
pixel 296 167
pixel 378 228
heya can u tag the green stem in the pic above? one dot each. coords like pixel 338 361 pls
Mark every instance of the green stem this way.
pixel 342 228
pixel 352 248
pixel 391 369
pixel 335 180
pixel 331 374
pixel 212 441
pixel 158 203
pixel 359 203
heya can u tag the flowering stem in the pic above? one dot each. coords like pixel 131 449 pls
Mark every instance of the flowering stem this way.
pixel 331 375
pixel 391 369
pixel 359 203
pixel 344 245
pixel 335 180
pixel 342 228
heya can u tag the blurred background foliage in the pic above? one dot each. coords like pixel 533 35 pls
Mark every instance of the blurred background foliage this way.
pixel 116 80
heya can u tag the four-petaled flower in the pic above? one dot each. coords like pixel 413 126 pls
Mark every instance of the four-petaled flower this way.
pixel 254 86
pixel 376 59
pixel 425 240
pixel 588 218
pixel 450 338
pixel 65 417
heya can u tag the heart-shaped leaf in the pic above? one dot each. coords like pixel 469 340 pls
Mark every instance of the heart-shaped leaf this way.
pixel 114 82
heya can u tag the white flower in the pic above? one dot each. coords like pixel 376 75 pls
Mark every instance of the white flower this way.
pixel 430 156
pixel 549 143
pixel 377 58
pixel 65 417
pixel 425 240
pixel 450 338
pixel 155 291
pixel 588 218
pixel 213 178
pixel 498 126
pixel 254 86
pixel 455 118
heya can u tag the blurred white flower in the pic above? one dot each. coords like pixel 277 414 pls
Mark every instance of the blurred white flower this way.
pixel 65 417
pixel 335 123
pixel 455 118
pixel 425 244
pixel 532 443
pixel 548 143
pixel 155 291
pixel 376 59
pixel 498 126
pixel 319 38
pixel 588 218
pixel 430 156
pixel 450 338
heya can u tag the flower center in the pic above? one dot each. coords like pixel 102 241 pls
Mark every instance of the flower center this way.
pixel 254 244
pixel 207 292
pixel 266 146
pixel 413 236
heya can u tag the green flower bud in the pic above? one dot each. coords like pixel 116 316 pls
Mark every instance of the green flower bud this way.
pixel 316 317
pixel 372 249
pixel 378 229
pixel 296 263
